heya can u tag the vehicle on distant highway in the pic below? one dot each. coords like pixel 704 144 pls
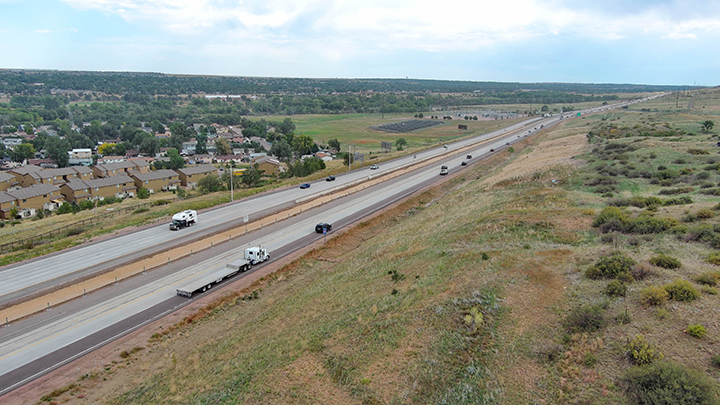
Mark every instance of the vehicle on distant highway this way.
pixel 492 150
pixel 464 163
pixel 323 227
pixel 468 157
pixel 374 167
pixel 183 219
pixel 443 170
pixel 253 256
pixel 305 185
pixel 330 178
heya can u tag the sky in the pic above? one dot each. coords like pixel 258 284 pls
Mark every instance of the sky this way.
pixel 590 41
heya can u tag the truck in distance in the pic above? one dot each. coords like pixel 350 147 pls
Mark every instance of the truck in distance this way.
pixel 183 219
pixel 204 282
pixel 443 170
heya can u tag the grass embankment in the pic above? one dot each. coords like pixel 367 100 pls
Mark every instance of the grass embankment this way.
pixel 493 288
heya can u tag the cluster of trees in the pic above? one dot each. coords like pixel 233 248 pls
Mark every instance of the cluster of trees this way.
pixel 135 86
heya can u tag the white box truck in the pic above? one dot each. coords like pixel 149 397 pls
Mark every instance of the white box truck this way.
pixel 183 219
pixel 205 281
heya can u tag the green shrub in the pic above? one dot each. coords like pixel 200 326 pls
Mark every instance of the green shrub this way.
pixel 715 360
pixel 141 210
pixel 616 289
pixel 705 213
pixel 709 290
pixel 681 290
pixel 143 193
pixel 640 351
pixel 609 214
pixel 623 318
pixel 714 258
pixel 612 265
pixel 654 295
pixel 160 202
pixel 590 360
pixel 588 318
pixel 696 331
pixel 665 261
pixel 664 383
pixel 645 225
pixel 710 278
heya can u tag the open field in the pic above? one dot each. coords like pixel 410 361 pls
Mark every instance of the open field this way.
pixel 354 129
pixel 487 289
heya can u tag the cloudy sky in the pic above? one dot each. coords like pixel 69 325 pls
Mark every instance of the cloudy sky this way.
pixel 599 41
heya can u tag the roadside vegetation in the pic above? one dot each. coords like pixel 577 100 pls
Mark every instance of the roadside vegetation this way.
pixel 540 287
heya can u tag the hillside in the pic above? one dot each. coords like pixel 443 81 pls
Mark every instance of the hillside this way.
pixel 547 274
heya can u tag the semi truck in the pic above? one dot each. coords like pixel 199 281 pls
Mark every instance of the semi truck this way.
pixel 183 219
pixel 204 282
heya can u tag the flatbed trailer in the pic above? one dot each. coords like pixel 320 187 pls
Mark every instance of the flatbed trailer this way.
pixel 207 281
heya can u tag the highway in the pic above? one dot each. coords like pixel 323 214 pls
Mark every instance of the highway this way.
pixel 38 344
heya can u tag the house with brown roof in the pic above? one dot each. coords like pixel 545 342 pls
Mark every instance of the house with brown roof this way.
pixel 268 166
pixel 7 202
pixel 128 167
pixel 37 197
pixel 159 180
pixel 64 174
pixel 7 181
pixel 189 176
pixel 26 175
pixel 120 186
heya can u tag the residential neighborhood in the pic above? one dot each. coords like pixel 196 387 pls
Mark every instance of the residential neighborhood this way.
pixel 42 183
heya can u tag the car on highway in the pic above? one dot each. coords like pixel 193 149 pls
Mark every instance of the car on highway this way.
pixel 468 157
pixel 305 185
pixel 507 143
pixel 374 167
pixel 323 227
pixel 492 150
pixel 330 178
pixel 464 163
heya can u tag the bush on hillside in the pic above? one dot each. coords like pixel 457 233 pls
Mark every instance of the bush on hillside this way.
pixel 681 290
pixel 714 258
pixel 715 360
pixel 616 289
pixel 640 351
pixel 665 261
pixel 664 383
pixel 705 213
pixel 654 295
pixel 696 331
pixel 611 266
pixel 710 278
pixel 589 318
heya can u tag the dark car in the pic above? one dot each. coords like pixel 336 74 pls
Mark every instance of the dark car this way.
pixel 468 157
pixel 492 150
pixel 507 143
pixel 330 178
pixel 305 185
pixel 323 226
pixel 464 163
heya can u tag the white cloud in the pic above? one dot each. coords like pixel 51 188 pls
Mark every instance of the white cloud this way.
pixel 338 28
